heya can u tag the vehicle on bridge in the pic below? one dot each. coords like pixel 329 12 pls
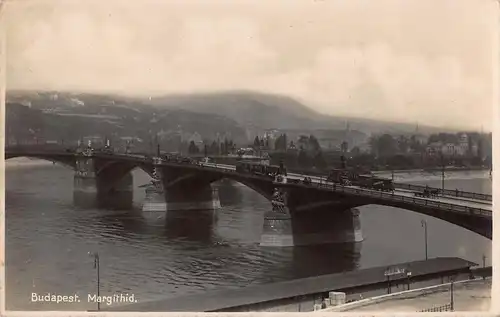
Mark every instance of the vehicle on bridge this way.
pixel 249 167
pixel 376 183
pixel 427 193
pixel 349 177
pixel 342 176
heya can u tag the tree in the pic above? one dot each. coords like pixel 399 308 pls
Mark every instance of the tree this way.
pixel 193 149
pixel 214 148
pixel 303 158
pixel 314 144
pixel 403 144
pixel 278 143
pixel 344 146
pixel 385 145
pixel 355 151
pixel 256 142
pixel 319 161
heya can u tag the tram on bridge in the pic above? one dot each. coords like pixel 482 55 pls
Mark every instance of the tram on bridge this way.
pixel 257 168
pixel 348 177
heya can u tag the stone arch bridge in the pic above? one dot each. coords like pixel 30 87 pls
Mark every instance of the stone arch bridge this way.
pixel 314 213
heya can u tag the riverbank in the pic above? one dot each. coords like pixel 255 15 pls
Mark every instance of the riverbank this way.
pixel 302 295
pixel 470 295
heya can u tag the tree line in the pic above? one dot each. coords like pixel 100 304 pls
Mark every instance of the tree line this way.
pixel 215 148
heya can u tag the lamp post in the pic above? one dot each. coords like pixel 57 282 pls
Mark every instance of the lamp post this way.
pixel 388 284
pixel 452 302
pixel 424 225
pixel 95 255
pixel 408 276
pixel 484 266
pixel 442 174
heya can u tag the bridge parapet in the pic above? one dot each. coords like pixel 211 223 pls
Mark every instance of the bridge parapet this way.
pixel 447 192
pixel 413 200
pixel 383 195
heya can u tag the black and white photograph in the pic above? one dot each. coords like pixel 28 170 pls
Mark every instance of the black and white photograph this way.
pixel 248 156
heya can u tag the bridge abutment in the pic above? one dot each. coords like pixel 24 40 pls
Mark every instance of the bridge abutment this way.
pixel 297 225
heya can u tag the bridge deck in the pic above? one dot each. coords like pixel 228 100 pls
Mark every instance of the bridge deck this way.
pixel 480 202
pixel 224 299
pixel 447 198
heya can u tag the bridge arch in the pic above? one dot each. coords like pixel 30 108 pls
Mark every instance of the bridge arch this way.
pixel 252 186
pixel 261 186
pixel 478 224
pixel 120 168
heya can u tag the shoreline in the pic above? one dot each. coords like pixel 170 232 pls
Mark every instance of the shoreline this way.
pixel 432 170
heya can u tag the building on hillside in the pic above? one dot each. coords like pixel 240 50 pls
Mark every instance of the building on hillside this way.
pixel 446 149
pixel 270 136
pixel 420 138
pixel 196 138
pixel 463 143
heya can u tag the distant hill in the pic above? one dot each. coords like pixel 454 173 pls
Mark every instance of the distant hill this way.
pixel 71 116
pixel 259 111
pixel 240 114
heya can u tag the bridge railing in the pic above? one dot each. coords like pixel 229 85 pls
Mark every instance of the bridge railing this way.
pixel 414 200
pixel 447 192
pixel 395 197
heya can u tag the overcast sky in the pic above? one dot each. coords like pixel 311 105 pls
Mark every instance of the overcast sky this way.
pixel 412 60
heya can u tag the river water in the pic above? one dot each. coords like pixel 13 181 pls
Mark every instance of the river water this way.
pixel 47 241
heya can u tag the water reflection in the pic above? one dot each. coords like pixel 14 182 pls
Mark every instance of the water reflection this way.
pixel 229 192
pixel 191 225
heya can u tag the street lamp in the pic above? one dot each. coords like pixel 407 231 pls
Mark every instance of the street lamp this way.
pixel 452 303
pixel 408 276
pixel 484 266
pixel 388 283
pixel 424 225
pixel 95 255
pixel 442 174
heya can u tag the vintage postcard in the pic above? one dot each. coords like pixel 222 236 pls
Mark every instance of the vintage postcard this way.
pixel 249 156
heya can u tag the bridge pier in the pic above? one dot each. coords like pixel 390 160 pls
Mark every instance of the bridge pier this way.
pixel 195 199
pixel 187 192
pixel 90 190
pixel 313 224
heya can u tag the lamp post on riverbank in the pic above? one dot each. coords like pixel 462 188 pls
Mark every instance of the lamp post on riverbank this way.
pixel 452 300
pixel 424 225
pixel 484 267
pixel 95 255
pixel 442 174
pixel 408 276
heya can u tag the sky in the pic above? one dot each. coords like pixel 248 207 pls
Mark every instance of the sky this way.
pixel 426 61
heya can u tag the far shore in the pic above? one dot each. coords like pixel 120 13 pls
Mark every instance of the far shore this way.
pixel 433 170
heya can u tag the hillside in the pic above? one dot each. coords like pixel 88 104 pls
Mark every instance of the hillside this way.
pixel 259 111
pixel 72 117
pixel 241 114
